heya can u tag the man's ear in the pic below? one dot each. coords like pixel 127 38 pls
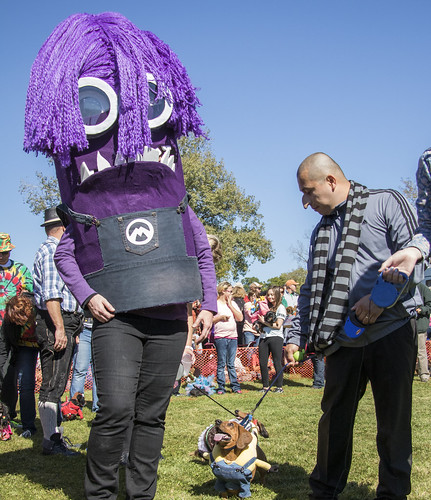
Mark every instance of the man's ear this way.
pixel 332 181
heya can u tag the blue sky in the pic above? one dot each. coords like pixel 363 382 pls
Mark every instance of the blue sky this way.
pixel 279 80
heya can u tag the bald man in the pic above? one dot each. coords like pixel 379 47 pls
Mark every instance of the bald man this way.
pixel 360 228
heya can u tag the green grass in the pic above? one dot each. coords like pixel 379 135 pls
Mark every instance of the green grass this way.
pixel 291 420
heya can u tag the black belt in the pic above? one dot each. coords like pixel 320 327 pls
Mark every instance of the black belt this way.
pixel 72 313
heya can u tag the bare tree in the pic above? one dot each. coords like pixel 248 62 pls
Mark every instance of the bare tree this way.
pixel 409 190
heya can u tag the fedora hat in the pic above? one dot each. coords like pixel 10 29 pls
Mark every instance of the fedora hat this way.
pixel 51 217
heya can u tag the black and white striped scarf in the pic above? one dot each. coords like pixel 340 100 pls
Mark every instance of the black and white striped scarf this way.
pixel 325 325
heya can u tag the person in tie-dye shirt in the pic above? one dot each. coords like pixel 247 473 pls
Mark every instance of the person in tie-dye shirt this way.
pixel 16 279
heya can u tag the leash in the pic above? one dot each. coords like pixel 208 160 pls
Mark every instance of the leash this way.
pixel 249 416
pixel 212 399
pixel 275 379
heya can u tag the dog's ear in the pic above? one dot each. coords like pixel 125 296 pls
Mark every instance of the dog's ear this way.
pixel 262 431
pixel 240 414
pixel 244 438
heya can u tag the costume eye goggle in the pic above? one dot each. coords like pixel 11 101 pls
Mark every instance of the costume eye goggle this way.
pixel 160 110
pixel 98 103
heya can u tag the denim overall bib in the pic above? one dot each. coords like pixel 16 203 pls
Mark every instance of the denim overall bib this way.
pixel 145 262
pixel 232 476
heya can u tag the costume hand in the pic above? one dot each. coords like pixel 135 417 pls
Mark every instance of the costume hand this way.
pixel 289 351
pixel 205 319
pixel 60 340
pixel 366 311
pixel 402 261
pixel 100 308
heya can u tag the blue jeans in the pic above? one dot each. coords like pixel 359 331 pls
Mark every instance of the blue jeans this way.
pixel 82 360
pixel 319 372
pixel 135 361
pixel 23 373
pixel 251 337
pixel 226 354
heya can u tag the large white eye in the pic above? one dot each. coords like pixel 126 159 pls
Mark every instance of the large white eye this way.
pixel 98 103
pixel 159 110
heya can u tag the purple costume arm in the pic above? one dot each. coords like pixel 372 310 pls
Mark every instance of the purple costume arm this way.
pixel 68 268
pixel 205 263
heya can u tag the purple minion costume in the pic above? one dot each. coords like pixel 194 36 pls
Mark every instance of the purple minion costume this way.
pixel 108 102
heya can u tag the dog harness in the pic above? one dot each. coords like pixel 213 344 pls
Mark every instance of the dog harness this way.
pixel 232 476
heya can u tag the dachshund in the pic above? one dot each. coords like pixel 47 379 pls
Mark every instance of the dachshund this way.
pixel 206 441
pixel 235 459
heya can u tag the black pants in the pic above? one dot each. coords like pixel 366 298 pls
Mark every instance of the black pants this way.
pixel 55 364
pixel 273 345
pixel 135 360
pixel 389 365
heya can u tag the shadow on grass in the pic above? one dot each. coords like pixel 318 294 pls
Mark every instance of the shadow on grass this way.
pixel 289 483
pixel 50 472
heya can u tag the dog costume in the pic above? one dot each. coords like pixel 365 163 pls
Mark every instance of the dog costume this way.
pixel 236 475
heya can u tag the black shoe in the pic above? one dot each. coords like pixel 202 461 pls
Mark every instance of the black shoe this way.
pixel 28 433
pixel 57 446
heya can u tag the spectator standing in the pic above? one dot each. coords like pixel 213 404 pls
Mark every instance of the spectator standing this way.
pixel 358 231
pixel 256 288
pixel 17 340
pixel 58 323
pixel 271 339
pixel 422 323
pixel 226 337
pixel 82 360
pixel 290 295
pixel 251 313
pixel 318 372
pixel 238 295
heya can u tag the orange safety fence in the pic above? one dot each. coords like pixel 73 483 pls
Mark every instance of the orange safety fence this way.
pixel 246 364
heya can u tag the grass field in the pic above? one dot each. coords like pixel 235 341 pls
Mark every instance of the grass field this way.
pixel 290 418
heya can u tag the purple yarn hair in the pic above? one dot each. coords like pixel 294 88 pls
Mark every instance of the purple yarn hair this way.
pixel 110 47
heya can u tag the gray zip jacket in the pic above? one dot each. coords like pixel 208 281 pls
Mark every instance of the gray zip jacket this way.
pixel 389 225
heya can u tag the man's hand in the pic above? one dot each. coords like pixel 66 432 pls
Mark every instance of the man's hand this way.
pixel 402 261
pixel 205 319
pixel 60 339
pixel 290 350
pixel 100 308
pixel 366 311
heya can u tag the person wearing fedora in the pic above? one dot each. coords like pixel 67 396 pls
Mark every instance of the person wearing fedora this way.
pixel 59 321
pixel 18 346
